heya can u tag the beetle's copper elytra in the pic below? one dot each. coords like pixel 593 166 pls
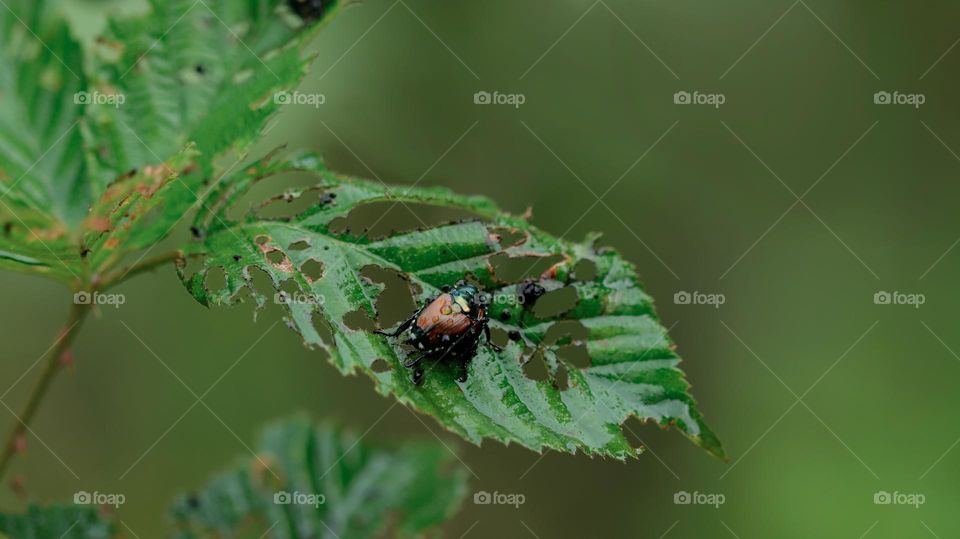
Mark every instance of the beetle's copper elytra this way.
pixel 447 327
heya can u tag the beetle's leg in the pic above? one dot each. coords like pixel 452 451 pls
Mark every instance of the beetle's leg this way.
pixel 464 361
pixel 400 329
pixel 413 362
pixel 417 375
pixel 490 343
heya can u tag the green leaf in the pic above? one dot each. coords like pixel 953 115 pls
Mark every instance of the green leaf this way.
pixel 321 482
pixel 43 188
pixel 104 149
pixel 56 521
pixel 201 72
pixel 632 368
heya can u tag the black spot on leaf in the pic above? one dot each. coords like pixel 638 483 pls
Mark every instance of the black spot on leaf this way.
pixel 528 292
pixel 309 10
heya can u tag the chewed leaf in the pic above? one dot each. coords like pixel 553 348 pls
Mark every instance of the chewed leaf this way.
pixel 106 145
pixel 322 482
pixel 577 312
pixel 62 521
pixel 43 190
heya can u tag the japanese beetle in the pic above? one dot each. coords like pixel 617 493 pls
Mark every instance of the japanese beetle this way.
pixel 447 327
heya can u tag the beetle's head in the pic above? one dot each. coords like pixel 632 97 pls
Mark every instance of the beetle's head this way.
pixel 467 296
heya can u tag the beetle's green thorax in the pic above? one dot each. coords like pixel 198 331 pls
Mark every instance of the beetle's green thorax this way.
pixel 467 292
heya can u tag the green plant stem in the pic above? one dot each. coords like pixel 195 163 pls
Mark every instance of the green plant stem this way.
pixel 78 313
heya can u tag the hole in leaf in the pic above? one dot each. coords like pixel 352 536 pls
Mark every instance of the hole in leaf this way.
pixel 560 380
pixel 378 220
pixel 631 429
pixel 278 259
pixel 574 354
pixel 585 270
pixel 271 188
pixel 556 302
pixel 513 269
pixel 359 320
pixel 564 332
pixel 276 256
pixel 536 368
pixel 396 302
pixel 289 204
pixel 301 245
pixel 215 280
pixel 323 328
pixel 380 365
pixel 290 288
pixel 260 281
pixel 312 270
pixel 499 337
pixel 189 266
pixel 508 237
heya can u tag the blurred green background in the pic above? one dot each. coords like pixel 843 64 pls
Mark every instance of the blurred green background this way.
pixel 703 211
